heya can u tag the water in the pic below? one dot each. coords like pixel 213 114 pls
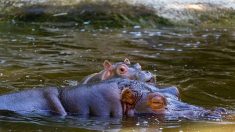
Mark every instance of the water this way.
pixel 200 62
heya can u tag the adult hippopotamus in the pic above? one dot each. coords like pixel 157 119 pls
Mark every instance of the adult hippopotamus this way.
pixel 107 98
pixel 115 97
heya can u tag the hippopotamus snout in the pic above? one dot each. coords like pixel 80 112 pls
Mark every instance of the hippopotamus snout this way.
pixel 137 66
pixel 146 76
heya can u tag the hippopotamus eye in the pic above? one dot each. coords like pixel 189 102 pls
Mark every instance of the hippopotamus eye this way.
pixel 122 69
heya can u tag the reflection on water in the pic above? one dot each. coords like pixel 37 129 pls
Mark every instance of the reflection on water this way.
pixel 200 62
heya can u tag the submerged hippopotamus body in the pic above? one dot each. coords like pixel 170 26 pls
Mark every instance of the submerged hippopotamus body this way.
pixel 96 100
pixel 115 98
pixel 107 98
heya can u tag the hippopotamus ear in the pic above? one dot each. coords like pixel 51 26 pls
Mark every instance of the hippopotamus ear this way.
pixel 108 67
pixel 127 61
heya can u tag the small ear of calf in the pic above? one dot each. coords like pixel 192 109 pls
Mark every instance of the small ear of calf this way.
pixel 108 67
pixel 127 61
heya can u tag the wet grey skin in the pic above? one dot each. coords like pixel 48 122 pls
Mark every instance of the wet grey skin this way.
pixel 101 99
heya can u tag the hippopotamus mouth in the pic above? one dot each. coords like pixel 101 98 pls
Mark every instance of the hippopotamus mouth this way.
pixel 127 109
pixel 128 100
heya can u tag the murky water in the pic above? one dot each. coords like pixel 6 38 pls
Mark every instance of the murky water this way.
pixel 200 62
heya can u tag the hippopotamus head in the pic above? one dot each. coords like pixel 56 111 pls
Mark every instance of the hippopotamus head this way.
pixel 138 101
pixel 124 70
pixel 167 103
pixel 133 72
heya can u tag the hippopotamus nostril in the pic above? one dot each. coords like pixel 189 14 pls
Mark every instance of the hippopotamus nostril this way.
pixel 210 115
pixel 221 111
pixel 147 72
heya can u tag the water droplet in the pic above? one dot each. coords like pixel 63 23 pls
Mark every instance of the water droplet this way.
pixel 169 49
pixel 155 34
pixel 136 34
pixel 71 82
pixel 2 61
pixel 137 124
pixel 61 14
pixel 137 27
pixel 204 35
pixel 188 45
pixel 13 21
pixel 157 120
pixel 145 122
pixel 30 38
pixel 87 22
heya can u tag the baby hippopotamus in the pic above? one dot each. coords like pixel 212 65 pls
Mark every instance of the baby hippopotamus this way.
pixel 120 70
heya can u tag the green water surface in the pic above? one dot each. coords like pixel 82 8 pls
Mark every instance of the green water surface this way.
pixel 200 62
